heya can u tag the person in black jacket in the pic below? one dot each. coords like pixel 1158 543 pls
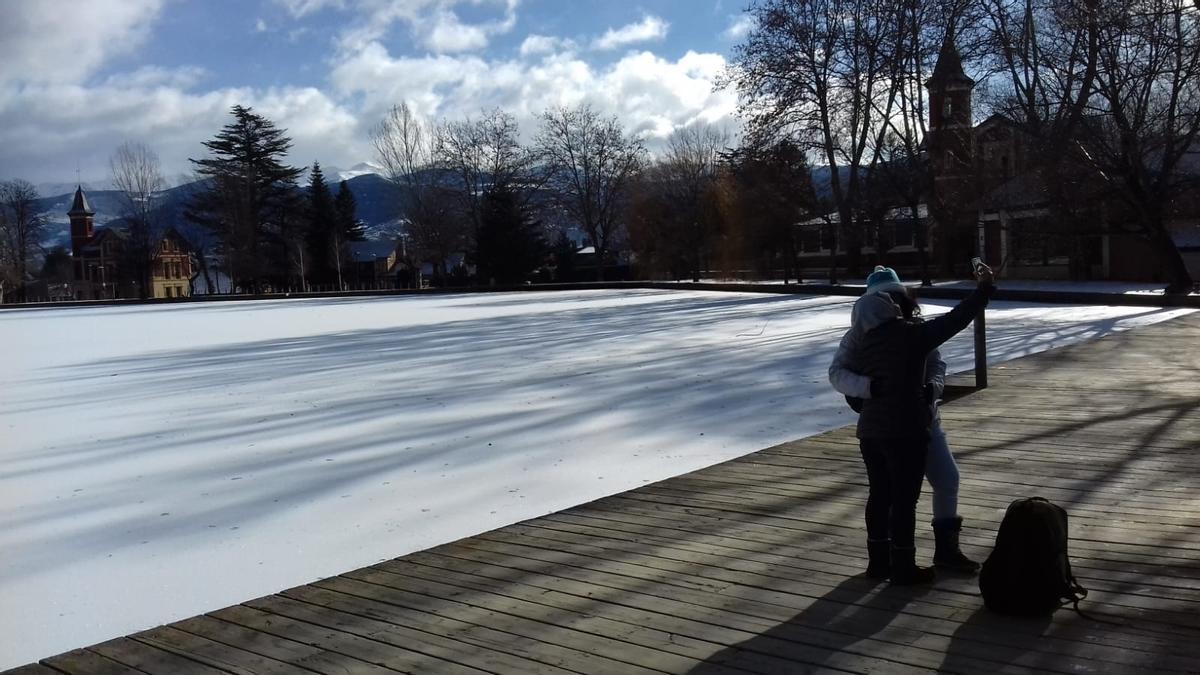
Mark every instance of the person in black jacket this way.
pixel 893 428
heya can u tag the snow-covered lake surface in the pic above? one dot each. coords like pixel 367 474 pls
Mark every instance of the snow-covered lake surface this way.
pixel 161 461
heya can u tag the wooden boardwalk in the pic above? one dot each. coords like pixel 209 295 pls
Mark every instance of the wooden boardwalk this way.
pixel 754 565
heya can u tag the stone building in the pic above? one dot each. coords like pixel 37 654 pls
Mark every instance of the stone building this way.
pixel 986 196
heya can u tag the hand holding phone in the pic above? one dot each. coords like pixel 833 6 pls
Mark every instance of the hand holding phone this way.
pixel 983 273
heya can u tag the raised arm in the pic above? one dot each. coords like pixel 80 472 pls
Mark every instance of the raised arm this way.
pixel 932 333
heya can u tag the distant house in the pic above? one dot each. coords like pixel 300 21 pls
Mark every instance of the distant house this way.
pixel 380 265
pixel 101 265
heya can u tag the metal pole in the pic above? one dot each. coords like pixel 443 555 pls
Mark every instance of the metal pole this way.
pixel 981 381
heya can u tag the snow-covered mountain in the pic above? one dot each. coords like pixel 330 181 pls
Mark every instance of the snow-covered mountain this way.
pixel 379 205
pixel 360 169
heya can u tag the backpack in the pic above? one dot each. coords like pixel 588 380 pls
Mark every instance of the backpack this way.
pixel 1028 572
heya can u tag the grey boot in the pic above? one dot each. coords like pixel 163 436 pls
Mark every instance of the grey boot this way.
pixel 879 553
pixel 947 553
pixel 905 571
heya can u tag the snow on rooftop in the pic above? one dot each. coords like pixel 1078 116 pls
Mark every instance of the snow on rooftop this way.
pixel 183 458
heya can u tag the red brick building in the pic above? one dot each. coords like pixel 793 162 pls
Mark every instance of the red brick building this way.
pixel 101 263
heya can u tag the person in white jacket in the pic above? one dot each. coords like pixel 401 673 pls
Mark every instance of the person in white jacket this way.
pixel 940 469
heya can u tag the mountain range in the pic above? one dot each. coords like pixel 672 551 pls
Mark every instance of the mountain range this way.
pixel 377 200
pixel 379 204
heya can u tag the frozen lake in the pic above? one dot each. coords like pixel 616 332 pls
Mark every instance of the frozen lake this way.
pixel 161 461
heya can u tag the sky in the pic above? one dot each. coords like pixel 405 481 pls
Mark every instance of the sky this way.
pixel 368 428
pixel 80 77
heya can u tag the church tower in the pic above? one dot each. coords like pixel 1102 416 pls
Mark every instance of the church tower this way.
pixel 951 147
pixel 81 215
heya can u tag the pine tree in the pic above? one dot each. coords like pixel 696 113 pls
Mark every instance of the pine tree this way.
pixel 321 233
pixel 510 244
pixel 249 201
pixel 349 225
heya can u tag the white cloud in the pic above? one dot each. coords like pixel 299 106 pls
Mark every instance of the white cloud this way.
pixel 449 35
pixel 649 28
pixel 650 94
pixel 739 28
pixel 49 125
pixel 45 41
pixel 300 8
pixel 535 45
pixel 260 26
pixel 148 77
pixel 81 125
pixel 433 24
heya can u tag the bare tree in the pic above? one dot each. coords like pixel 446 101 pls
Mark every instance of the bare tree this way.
pixel 1146 120
pixel 1043 58
pixel 591 164
pixel 1111 93
pixel 137 176
pixel 405 147
pixel 21 227
pixel 690 170
pixel 770 191
pixel 822 72
pixel 901 175
pixel 486 154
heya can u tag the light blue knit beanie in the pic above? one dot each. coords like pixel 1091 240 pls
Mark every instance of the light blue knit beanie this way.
pixel 884 279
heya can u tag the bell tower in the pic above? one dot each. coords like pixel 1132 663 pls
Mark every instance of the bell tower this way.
pixel 951 147
pixel 81 215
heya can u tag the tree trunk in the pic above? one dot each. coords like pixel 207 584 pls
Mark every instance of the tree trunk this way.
pixel 1178 277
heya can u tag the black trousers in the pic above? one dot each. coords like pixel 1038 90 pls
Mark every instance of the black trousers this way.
pixel 895 471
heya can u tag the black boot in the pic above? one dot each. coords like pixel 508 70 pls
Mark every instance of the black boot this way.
pixel 879 552
pixel 905 571
pixel 947 554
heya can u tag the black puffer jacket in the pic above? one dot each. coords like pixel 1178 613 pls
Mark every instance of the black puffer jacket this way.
pixel 893 354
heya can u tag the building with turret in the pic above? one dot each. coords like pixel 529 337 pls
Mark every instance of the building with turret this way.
pixel 103 266
pixel 985 195
pixel 950 146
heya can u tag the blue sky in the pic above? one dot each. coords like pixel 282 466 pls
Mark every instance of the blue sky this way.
pixel 80 77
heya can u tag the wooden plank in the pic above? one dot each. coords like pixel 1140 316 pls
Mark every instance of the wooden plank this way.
pixel 679 635
pixel 765 569
pixel 485 639
pixel 431 644
pixel 32 669
pixel 297 654
pixel 633 658
pixel 642 643
pixel 86 662
pixel 733 605
pixel 362 654
pixel 716 507
pixel 831 571
pixel 210 652
pixel 972 492
pixel 150 659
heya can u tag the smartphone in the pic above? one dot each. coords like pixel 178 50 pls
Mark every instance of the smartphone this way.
pixel 977 265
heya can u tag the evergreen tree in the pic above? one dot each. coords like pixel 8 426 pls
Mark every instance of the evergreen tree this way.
pixel 350 227
pixel 249 201
pixel 510 244
pixel 321 234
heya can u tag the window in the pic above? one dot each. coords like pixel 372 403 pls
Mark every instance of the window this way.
pixel 810 238
pixel 905 232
